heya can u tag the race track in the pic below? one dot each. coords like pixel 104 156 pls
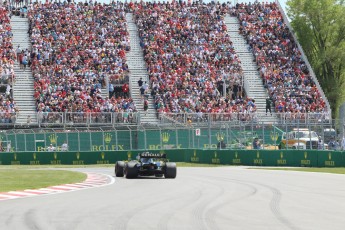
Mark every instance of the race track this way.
pixel 199 198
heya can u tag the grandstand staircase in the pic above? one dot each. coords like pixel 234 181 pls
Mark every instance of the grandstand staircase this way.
pixel 23 88
pixel 252 81
pixel 137 67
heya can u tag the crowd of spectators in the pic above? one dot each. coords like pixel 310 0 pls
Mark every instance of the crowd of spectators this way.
pixel 76 49
pixel 7 60
pixel 283 71
pixel 189 57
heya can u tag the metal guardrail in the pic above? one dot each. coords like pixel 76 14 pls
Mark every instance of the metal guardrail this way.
pixel 86 119
pixel 195 119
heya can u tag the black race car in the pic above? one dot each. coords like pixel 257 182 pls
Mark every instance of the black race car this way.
pixel 147 164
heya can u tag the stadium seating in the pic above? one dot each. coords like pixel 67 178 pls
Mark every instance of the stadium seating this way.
pixel 283 71
pixel 7 59
pixel 76 48
pixel 189 57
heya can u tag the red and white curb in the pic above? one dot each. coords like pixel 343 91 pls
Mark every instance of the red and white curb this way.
pixel 93 180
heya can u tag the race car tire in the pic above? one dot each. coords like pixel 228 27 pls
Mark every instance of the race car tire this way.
pixel 119 168
pixel 130 170
pixel 170 170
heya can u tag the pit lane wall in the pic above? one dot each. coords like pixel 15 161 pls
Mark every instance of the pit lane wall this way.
pixel 297 158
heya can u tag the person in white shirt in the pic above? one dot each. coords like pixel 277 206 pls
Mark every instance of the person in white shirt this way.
pixel 342 144
pixel 50 148
pixel 64 147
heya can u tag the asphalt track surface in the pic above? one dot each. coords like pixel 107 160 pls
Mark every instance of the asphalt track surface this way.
pixel 199 198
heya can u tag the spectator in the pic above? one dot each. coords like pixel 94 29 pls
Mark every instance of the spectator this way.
pixel 111 90
pixel 333 144
pixel 64 146
pixel 256 143
pixel 125 90
pixel 146 106
pixel 320 145
pixel 268 105
pixel 50 148
pixel 189 57
pixel 140 82
pixel 284 72
pixel 343 143
pixel 76 47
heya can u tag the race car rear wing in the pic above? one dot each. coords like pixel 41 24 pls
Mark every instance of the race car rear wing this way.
pixel 152 155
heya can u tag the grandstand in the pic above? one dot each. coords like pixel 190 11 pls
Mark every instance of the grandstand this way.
pixel 202 62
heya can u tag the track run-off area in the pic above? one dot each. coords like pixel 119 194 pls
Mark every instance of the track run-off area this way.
pixel 199 198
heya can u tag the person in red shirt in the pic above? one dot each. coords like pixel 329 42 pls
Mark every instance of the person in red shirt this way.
pixel 125 90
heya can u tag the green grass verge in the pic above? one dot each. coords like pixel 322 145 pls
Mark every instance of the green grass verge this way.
pixel 20 179
pixel 186 164
pixel 319 170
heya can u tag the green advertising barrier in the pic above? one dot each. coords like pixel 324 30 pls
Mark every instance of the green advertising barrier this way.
pixel 296 158
pixel 331 159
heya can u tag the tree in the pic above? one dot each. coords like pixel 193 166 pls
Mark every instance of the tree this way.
pixel 320 29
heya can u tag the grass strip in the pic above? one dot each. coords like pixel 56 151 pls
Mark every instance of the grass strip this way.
pixel 21 179
pixel 319 170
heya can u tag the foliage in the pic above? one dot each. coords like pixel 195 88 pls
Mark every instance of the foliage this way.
pixel 320 28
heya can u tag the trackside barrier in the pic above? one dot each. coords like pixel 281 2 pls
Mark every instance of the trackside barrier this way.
pixel 296 158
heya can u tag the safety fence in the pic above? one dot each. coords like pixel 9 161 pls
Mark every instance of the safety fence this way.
pixel 216 136
pixel 297 158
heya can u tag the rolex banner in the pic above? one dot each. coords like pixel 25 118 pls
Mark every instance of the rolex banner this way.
pixel 295 158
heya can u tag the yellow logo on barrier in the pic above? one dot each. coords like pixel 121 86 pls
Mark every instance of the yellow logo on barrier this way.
pixel 194 158
pixel 281 161
pixel 15 162
pixel 107 138
pixel 220 136
pixel 165 137
pixel 34 162
pixel 78 161
pixel 215 160
pixel 103 161
pixel 258 161
pixel 53 139
pixel 305 161
pixel 129 156
pixel 236 160
pixel 55 161
pixel 329 163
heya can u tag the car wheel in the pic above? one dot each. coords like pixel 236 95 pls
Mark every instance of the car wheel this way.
pixel 119 168
pixel 170 170
pixel 130 170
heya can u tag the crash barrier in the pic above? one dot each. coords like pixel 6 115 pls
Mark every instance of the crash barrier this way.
pixel 296 158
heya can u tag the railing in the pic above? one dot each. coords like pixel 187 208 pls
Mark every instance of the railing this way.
pixel 254 117
pixel 86 119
